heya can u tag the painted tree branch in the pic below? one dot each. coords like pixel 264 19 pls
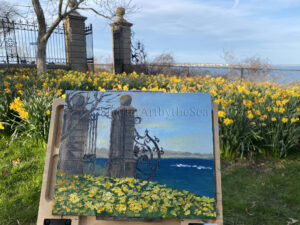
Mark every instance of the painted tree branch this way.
pixel 94 107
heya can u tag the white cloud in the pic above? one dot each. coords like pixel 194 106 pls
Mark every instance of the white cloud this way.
pixel 198 30
pixel 202 27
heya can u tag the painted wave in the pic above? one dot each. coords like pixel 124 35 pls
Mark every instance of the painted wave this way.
pixel 192 166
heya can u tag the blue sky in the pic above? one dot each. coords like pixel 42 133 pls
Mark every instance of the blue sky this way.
pixel 182 121
pixel 197 31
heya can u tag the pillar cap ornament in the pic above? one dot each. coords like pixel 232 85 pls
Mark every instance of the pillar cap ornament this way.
pixel 120 12
pixel 125 103
pixel 120 20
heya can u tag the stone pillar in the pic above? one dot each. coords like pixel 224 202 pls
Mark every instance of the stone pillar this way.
pixel 121 162
pixel 75 131
pixel 75 41
pixel 121 32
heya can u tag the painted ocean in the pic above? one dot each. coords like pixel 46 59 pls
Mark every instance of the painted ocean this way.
pixel 194 175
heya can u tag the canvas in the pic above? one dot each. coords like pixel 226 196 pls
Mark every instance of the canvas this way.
pixel 136 155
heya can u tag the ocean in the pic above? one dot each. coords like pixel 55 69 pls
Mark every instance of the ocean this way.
pixel 193 175
pixel 281 74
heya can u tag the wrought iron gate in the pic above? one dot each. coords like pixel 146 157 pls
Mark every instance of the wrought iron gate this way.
pixel 89 44
pixel 89 157
pixel 147 154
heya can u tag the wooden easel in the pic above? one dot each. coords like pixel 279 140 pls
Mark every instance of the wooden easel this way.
pixel 49 176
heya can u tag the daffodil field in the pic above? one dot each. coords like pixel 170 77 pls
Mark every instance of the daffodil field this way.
pixel 126 197
pixel 254 119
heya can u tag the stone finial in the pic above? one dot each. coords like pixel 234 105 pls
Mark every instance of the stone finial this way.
pixel 120 20
pixel 125 100
pixel 120 12
pixel 72 3
pixel 125 103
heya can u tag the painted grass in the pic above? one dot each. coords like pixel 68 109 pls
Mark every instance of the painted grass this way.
pixel 126 197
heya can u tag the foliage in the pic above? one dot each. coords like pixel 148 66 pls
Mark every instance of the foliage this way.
pixel 25 110
pixel 21 168
pixel 254 119
pixel 126 197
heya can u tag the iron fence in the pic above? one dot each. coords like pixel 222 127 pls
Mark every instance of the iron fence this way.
pixel 18 43
pixel 280 74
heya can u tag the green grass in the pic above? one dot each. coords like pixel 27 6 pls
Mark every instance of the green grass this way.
pixel 263 192
pixel 20 184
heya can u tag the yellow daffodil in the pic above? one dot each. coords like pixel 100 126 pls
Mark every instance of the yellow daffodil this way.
pixel 221 114
pixel 228 121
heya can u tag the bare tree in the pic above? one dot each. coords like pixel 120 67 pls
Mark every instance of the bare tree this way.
pixel 103 8
pixel 162 64
pixel 139 55
pixel 101 102
pixel 165 58
pixel 8 11
pixel 253 68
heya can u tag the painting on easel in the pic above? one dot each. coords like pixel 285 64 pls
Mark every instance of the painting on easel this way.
pixel 136 155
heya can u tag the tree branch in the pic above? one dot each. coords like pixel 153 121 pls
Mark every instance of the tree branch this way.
pixel 60 7
pixel 40 17
pixel 66 8
pixel 87 112
pixel 59 19
pixel 98 13
pixel 52 27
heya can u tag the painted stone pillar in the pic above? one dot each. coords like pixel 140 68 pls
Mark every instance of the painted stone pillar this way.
pixel 75 41
pixel 121 162
pixel 121 32
pixel 75 136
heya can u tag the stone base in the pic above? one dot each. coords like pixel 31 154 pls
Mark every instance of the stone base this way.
pixel 120 167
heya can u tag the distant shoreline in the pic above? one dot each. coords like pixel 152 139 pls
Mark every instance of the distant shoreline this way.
pixel 168 154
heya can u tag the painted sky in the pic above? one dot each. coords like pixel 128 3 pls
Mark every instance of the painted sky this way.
pixel 197 31
pixel 182 121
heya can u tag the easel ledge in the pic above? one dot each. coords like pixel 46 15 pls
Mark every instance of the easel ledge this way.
pixel 49 176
